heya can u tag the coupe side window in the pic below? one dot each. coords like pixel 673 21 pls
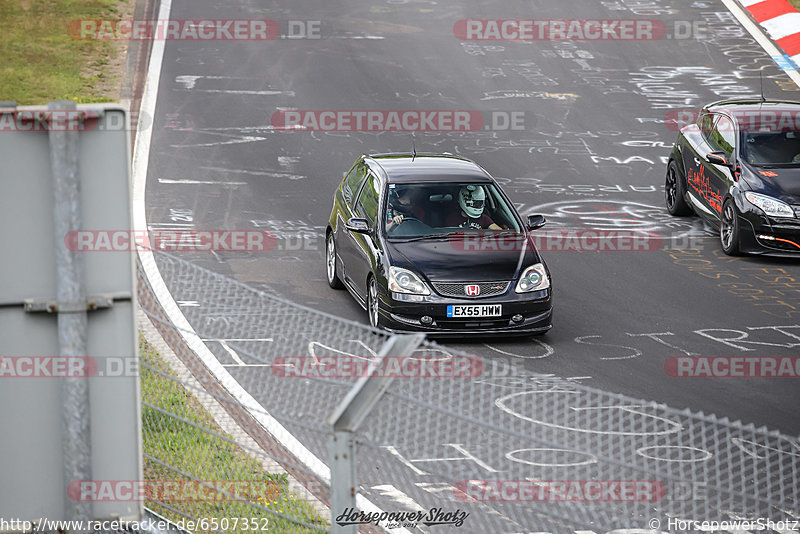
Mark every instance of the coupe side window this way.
pixel 352 182
pixel 367 205
pixel 723 137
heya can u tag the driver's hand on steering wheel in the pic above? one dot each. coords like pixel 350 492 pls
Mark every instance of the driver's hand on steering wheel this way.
pixel 397 219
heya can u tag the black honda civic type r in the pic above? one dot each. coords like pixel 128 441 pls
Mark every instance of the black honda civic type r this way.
pixel 738 167
pixel 430 243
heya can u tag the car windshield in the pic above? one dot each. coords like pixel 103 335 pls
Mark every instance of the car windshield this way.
pixel 429 210
pixel 770 148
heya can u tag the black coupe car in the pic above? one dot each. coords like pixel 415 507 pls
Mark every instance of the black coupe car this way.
pixel 738 167
pixel 431 243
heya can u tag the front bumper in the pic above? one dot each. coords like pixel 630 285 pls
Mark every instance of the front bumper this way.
pixel 402 313
pixel 764 235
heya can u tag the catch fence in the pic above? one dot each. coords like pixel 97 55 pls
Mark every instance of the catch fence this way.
pixel 493 448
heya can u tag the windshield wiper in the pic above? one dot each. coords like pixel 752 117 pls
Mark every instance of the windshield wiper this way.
pixel 489 234
pixel 430 236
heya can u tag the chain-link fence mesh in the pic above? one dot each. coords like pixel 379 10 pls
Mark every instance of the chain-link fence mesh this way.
pixel 516 451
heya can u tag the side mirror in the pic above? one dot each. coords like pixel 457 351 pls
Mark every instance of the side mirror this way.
pixel 360 226
pixel 536 221
pixel 717 158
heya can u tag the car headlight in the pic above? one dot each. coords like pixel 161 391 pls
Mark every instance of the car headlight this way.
pixel 534 278
pixel 771 206
pixel 405 281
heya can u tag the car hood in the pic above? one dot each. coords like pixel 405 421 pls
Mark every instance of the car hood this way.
pixel 466 257
pixel 785 185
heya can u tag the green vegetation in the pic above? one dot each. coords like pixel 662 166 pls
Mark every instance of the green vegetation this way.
pixel 43 62
pixel 173 447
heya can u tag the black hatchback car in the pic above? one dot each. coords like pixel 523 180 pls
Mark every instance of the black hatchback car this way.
pixel 431 243
pixel 738 167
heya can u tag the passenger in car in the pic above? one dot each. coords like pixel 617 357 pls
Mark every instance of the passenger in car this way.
pixel 470 211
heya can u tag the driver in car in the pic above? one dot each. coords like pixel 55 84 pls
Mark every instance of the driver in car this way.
pixel 471 201
pixel 402 205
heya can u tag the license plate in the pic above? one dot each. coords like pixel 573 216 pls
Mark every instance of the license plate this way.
pixel 481 310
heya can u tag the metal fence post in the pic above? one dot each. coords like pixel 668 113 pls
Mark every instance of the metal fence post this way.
pixel 342 448
pixel 344 421
pixel 64 138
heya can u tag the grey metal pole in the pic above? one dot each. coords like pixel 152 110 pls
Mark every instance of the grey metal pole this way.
pixel 342 452
pixel 64 137
pixel 344 422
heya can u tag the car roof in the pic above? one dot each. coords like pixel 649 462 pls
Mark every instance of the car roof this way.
pixel 753 105
pixel 407 168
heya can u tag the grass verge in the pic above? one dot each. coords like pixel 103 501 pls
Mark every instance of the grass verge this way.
pixel 42 62
pixel 174 449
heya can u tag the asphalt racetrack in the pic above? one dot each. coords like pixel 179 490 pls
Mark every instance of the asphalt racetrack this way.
pixel 577 130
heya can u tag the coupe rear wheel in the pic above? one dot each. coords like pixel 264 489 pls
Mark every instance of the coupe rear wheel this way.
pixel 729 228
pixel 673 189
pixel 330 263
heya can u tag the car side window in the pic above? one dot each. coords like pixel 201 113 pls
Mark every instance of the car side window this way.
pixel 707 126
pixel 723 137
pixel 367 205
pixel 352 182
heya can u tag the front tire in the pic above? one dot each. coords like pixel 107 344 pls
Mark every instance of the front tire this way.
pixel 674 192
pixel 330 263
pixel 729 228
pixel 373 304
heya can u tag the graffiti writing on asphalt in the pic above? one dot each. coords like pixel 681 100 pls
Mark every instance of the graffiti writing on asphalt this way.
pixel 525 69
pixel 609 215
pixel 639 7
pixel 502 369
pixel 730 40
pixel 527 184
pixel 773 290
pixel 668 87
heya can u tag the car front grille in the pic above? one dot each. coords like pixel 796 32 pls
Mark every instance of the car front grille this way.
pixel 796 211
pixel 459 289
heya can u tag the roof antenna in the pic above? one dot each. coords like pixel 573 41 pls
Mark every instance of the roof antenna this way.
pixel 413 149
pixel 761 77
